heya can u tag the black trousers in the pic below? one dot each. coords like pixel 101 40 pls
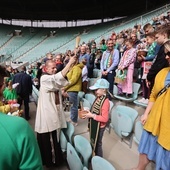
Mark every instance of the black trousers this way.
pixel 26 105
pixel 99 150
pixel 50 149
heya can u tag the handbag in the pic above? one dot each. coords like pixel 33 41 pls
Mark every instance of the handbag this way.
pixel 163 90
pixel 120 76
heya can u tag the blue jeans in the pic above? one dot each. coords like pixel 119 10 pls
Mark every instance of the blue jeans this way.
pixel 73 98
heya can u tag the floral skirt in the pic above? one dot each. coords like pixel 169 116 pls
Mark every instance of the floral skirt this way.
pixel 155 152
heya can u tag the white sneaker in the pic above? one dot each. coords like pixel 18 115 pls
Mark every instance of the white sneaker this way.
pixel 141 100
pixel 146 101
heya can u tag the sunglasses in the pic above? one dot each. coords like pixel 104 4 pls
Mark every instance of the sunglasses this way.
pixel 168 53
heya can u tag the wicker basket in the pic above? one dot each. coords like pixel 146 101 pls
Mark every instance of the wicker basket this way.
pixel 81 113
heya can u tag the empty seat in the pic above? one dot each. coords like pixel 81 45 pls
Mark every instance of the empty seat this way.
pixel 111 105
pixel 138 131
pixel 69 131
pixel 90 97
pixel 80 96
pixel 73 159
pixel 86 103
pixel 99 163
pixel 91 82
pixel 95 72
pixel 63 142
pixel 140 104
pixel 122 121
pixel 82 146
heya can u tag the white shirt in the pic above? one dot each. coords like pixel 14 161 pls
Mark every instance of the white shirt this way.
pixel 84 74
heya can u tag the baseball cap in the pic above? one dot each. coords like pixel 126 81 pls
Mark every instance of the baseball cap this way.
pixel 100 84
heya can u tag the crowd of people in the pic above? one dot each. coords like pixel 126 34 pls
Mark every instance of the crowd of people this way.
pixel 139 54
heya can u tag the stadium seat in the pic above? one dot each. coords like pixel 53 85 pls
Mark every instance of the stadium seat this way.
pixel 86 103
pixel 95 73
pixel 69 131
pixel 134 96
pixel 63 142
pixel 91 82
pixel 111 106
pixel 83 147
pixel 138 131
pixel 80 96
pixel 99 163
pixel 140 104
pixel 73 159
pixel 90 97
pixel 122 121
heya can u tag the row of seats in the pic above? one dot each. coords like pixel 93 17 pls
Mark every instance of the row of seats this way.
pixel 123 122
pixel 79 150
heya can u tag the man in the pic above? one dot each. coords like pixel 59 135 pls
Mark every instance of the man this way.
pixel 18 146
pixel 84 55
pixel 50 116
pixel 148 28
pixel 59 63
pixel 24 89
pixel 159 62
pixel 109 62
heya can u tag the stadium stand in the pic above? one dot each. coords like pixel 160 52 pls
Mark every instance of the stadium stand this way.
pixel 31 45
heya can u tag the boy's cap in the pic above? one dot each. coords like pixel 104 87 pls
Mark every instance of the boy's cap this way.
pixel 100 84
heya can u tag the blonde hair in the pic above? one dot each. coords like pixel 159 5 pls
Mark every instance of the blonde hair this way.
pixel 167 45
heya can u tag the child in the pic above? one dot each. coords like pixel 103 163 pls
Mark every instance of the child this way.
pixel 7 107
pixel 10 94
pixel 127 64
pixel 152 50
pixel 98 115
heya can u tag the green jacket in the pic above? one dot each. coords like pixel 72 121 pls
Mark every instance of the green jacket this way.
pixel 18 145
pixel 75 78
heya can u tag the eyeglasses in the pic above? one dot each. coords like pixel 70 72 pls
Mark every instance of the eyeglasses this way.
pixel 168 53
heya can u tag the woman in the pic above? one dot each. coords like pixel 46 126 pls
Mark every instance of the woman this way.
pixel 155 140
pixel 98 115
pixel 127 65
pixel 75 79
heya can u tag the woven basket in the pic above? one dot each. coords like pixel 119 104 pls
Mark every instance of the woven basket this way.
pixel 81 113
